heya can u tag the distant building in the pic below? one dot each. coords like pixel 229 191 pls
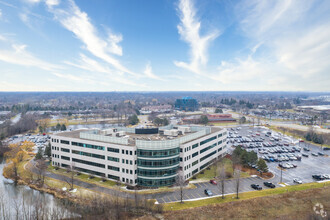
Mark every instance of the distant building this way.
pixel 220 118
pixel 156 108
pixel 193 119
pixel 186 104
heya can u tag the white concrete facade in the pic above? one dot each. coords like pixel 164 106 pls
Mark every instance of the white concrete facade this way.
pixel 121 162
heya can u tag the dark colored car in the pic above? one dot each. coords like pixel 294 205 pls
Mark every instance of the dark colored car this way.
pixel 269 184
pixel 305 155
pixel 306 149
pixel 208 192
pixel 318 177
pixel 256 187
pixel 320 153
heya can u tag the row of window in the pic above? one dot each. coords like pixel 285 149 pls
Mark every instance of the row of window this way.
pixel 158 153
pixel 157 173
pixel 88 154
pixel 187 167
pixel 210 154
pixel 207 148
pixel 87 145
pixel 156 182
pixel 158 163
pixel 88 163
pixel 208 140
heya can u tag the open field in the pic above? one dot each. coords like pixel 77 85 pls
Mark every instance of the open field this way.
pixel 297 203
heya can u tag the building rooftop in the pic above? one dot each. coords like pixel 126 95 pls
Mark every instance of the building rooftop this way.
pixel 131 139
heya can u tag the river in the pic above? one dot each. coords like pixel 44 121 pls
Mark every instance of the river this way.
pixel 22 202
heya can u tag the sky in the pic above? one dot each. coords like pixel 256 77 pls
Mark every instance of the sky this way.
pixel 164 45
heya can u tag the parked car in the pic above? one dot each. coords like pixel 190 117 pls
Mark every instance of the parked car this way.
pixel 306 149
pixel 208 192
pixel 298 181
pixel 320 153
pixel 315 154
pixel 318 177
pixel 305 155
pixel 269 184
pixel 213 182
pixel 256 187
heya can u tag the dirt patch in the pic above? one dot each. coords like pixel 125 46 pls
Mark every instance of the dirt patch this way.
pixel 252 171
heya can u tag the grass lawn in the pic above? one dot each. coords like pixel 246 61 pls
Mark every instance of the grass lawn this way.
pixel 112 184
pixel 243 196
pixel 210 173
pixel 83 177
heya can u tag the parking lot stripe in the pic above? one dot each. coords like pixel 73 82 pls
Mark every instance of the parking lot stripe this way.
pixel 161 200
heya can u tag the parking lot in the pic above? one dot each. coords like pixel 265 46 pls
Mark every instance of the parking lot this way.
pixel 279 149
pixel 39 140
pixel 198 192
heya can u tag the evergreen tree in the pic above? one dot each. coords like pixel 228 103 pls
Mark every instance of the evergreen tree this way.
pixel 39 154
pixel 204 120
pixel 63 127
pixel 48 151
pixel 262 166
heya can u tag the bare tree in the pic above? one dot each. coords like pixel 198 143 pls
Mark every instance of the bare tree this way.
pixel 237 178
pixel 221 178
pixel 72 170
pixel 41 168
pixel 180 181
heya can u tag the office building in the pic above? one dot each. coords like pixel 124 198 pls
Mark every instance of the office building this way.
pixel 148 157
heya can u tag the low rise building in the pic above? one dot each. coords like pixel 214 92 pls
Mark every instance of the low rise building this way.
pixel 148 157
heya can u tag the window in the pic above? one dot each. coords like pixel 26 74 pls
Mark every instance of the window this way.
pixel 195 154
pixel 113 168
pixel 113 177
pixel 65 158
pixel 115 159
pixel 65 150
pixel 114 150
pixel 65 142
pixel 194 163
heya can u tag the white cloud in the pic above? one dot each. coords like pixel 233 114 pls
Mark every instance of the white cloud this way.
pixel 79 23
pixel 239 71
pixel 148 72
pixel 189 30
pixel 0 13
pixel 51 3
pixel 20 56
pixel 89 64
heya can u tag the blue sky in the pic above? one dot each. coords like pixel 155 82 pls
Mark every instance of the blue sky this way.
pixel 163 45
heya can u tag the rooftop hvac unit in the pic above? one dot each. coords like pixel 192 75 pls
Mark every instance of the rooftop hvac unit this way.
pixel 120 134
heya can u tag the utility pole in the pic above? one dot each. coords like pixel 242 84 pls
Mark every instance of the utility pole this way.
pixel 281 174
